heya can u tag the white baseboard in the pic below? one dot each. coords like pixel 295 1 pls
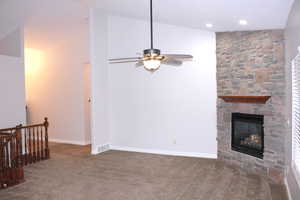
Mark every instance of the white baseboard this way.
pixel 101 149
pixel 288 189
pixel 69 142
pixel 163 152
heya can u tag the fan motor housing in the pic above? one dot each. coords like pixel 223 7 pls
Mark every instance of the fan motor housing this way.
pixel 150 52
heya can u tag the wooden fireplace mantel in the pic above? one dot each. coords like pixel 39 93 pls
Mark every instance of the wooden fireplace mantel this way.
pixel 246 99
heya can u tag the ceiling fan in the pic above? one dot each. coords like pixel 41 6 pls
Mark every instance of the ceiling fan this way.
pixel 152 58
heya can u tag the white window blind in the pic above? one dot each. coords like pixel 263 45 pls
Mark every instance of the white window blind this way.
pixel 296 111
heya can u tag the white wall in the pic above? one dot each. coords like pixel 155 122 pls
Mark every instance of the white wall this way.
pixel 55 89
pixel 87 102
pixel 10 44
pixel 172 110
pixel 12 81
pixel 12 89
pixel 12 14
pixel 58 31
pixel 292 38
pixel 99 84
pixel 12 85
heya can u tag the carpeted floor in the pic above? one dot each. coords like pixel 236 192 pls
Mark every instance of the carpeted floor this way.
pixel 73 174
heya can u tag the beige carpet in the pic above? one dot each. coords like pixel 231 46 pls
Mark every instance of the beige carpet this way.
pixel 73 174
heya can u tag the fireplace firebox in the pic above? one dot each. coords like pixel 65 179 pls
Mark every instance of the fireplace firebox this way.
pixel 248 134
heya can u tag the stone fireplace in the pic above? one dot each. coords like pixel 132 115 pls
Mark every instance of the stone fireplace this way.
pixel 251 63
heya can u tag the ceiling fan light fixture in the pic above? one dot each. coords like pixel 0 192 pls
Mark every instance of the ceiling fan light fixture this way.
pixel 152 64
pixel 152 58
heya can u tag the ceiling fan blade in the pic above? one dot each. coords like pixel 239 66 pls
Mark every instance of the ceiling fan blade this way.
pixel 124 60
pixel 139 64
pixel 171 61
pixel 179 56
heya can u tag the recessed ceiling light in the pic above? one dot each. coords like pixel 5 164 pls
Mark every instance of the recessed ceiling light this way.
pixel 243 22
pixel 209 25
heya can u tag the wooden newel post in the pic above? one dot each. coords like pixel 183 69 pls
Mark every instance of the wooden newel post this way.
pixel 18 168
pixel 18 142
pixel 47 152
pixel 2 163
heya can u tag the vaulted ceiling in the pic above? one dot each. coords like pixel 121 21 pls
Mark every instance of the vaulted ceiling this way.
pixel 223 14
pixel 44 20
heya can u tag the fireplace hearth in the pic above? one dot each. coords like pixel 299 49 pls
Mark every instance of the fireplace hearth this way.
pixel 248 134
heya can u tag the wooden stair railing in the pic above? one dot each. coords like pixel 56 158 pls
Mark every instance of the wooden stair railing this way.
pixel 11 170
pixel 20 146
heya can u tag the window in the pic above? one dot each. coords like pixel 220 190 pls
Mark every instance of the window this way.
pixel 296 114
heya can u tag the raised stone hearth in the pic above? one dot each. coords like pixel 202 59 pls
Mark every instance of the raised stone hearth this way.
pixel 251 63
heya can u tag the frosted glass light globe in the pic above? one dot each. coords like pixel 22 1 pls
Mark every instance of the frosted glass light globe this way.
pixel 151 65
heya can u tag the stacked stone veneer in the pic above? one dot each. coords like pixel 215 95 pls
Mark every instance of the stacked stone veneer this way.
pixel 251 63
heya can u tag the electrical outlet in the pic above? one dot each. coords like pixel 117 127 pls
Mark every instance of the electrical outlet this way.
pixel 174 141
